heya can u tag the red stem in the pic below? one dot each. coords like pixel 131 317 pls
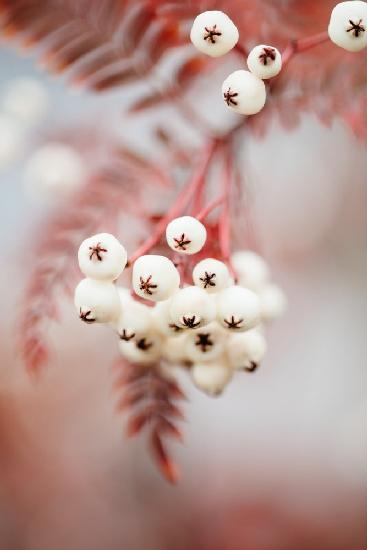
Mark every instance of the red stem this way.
pixel 210 207
pixel 179 204
pixel 302 45
pixel 224 220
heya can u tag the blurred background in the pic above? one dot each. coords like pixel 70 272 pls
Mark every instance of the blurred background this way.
pixel 279 462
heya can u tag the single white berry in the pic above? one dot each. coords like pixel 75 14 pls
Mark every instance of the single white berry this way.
pixel 264 61
pixel 348 25
pixel 244 93
pixel 246 350
pixel 53 169
pixel 192 307
pixel 273 302
pixel 134 322
pixel 102 257
pixel 206 343
pixel 186 235
pixel 144 351
pixel 97 301
pixel 251 269
pixel 174 349
pixel 211 378
pixel 161 318
pixel 211 275
pixel 11 141
pixel 214 33
pixel 238 309
pixel 26 100
pixel 155 278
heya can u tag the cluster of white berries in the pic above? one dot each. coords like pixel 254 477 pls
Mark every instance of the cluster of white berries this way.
pixel 22 105
pixel 212 327
pixel 215 34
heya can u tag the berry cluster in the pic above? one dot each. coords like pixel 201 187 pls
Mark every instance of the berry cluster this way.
pixel 212 327
pixel 214 34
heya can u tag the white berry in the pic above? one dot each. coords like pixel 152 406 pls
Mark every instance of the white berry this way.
pixel 192 307
pixel 145 350
pixel 244 93
pixel 53 169
pixel 264 61
pixel 214 33
pixel 186 235
pixel 97 301
pixel 174 349
pixel 26 100
pixel 251 269
pixel 11 141
pixel 211 378
pixel 348 25
pixel 206 343
pixel 273 302
pixel 134 322
pixel 211 275
pixel 238 309
pixel 155 278
pixel 246 350
pixel 102 257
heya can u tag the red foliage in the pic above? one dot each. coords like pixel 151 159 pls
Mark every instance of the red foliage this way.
pixel 150 396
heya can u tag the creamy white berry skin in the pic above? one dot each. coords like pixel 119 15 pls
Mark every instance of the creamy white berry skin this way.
pixel 206 343
pixel 134 322
pixel 251 269
pixel 102 257
pixel 244 93
pixel 348 25
pixel 211 378
pixel 144 351
pixel 186 235
pixel 174 349
pixel 53 169
pixel 155 278
pixel 161 318
pixel 11 141
pixel 97 302
pixel 192 307
pixel 246 350
pixel 214 33
pixel 273 302
pixel 211 275
pixel 264 61
pixel 238 309
pixel 26 100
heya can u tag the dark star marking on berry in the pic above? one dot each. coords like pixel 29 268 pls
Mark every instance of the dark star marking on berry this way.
pixel 267 53
pixel 143 344
pixel 189 322
pixel 208 279
pixel 85 317
pixel 182 242
pixel 228 97
pixel 253 366
pixel 203 341
pixel 96 251
pixel 174 327
pixel 211 34
pixel 127 337
pixel 356 28
pixel 147 286
pixel 233 324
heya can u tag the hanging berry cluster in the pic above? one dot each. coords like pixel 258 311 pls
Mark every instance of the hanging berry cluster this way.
pixel 214 34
